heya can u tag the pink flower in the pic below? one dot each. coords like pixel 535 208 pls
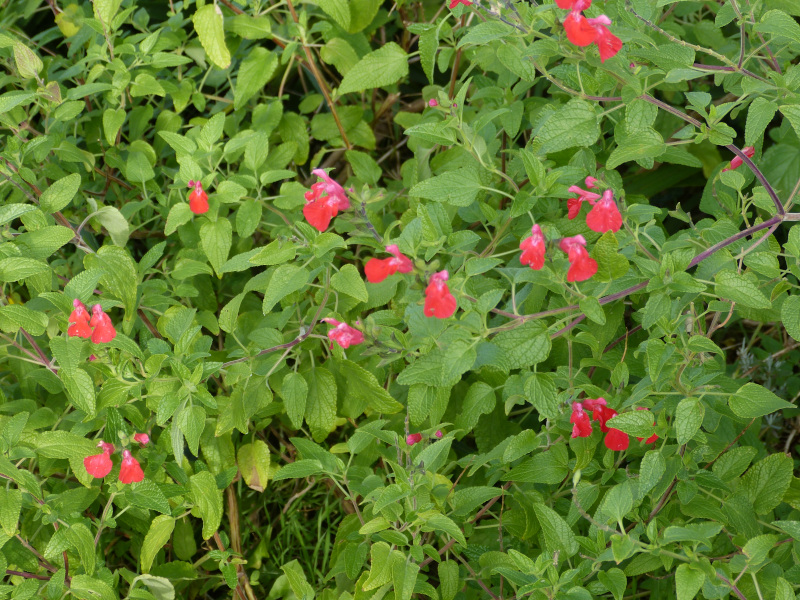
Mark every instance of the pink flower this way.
pixel 533 249
pixel 324 201
pixel 439 302
pixel 198 199
pixel 79 321
pixel 439 433
pixel 591 182
pixel 99 465
pixel 413 438
pixel 130 471
pixel 142 438
pixel 607 43
pixel 454 3
pixel 574 5
pixel 582 266
pixel 581 424
pixel 378 269
pixel 343 334
pixel 604 215
pixel 749 151
pixel 615 439
pixel 103 327
pixel 433 103
pixel 574 204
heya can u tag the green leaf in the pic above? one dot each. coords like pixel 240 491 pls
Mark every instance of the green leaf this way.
pixel 557 535
pixel 60 193
pixel 254 462
pixel 457 188
pixel 614 580
pixel 18 267
pixel 207 501
pixel 767 481
pixel 688 418
pixel 28 63
pixel 82 540
pixel 404 577
pixel 644 143
pixel 465 500
pixel 479 400
pixel 610 263
pixel 90 588
pixel 638 423
pixel 449 581
pixel 112 122
pixel 790 316
pixel 574 124
pixel 120 276
pixel 364 387
pixel 254 73
pixel 285 280
pixel 362 12
pixel 759 116
pixel 379 68
pixel 156 538
pixel 191 421
pixel 688 581
pixel 752 401
pixel 295 392
pixel 216 238
pixel 299 469
pixel 321 404
pixel 779 24
pixel 80 390
pixel 146 494
pixel 784 590
pixel 251 28
pixel 208 25
pixel 380 571
pixel 651 471
pixel 10 100
pixel 14 316
pixel 742 289
pixel 115 224
pixel 179 214
pixel 104 11
pixel 9 212
pixel 436 521
pixel 10 508
pixel 348 281
pixel 523 346
pixel 301 589
pixel 541 392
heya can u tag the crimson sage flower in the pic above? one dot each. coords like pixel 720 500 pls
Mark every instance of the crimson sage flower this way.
pixel 103 327
pixel 343 334
pixel 79 321
pixel 324 201
pixel 737 161
pixel 454 3
pixel 439 302
pixel 130 471
pixel 582 31
pixel 574 204
pixel 582 266
pixel 198 199
pixel 100 465
pixel 142 438
pixel 533 249
pixel 413 438
pixel 378 269
pixel 615 439
pixel 581 423
pixel 605 215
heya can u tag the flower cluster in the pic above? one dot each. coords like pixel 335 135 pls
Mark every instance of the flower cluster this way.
pixel 582 31
pixel 343 334
pixel 198 199
pixel 100 465
pixel 324 201
pixel 604 216
pixel 99 327
pixel 737 161
pixel 582 424
pixel 439 302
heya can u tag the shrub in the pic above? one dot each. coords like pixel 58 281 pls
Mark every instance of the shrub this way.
pixel 361 300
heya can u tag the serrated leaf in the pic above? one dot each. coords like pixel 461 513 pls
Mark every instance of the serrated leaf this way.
pixel 741 289
pixel 321 405
pixel 60 193
pixel 208 25
pixel 295 392
pixel 216 238
pixel 254 73
pixel 381 67
pixel 156 538
pixel 557 534
pixel 688 418
pixel 752 401
pixel 458 188
pixel 574 124
pixel 767 481
pixel 254 464
pixel 348 281
pixel 688 582
pixel 207 500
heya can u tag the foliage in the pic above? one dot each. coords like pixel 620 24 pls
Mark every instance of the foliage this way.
pixel 421 429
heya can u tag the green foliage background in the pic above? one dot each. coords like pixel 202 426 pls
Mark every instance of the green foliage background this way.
pixel 278 466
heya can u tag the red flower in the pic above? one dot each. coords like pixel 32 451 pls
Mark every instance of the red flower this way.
pixel 343 334
pixel 533 249
pixel 454 3
pixel 433 103
pixel 413 438
pixel 591 182
pixel 616 440
pixel 749 151
pixel 324 201
pixel 198 199
pixel 130 471
pixel 579 31
pixel 604 215
pixel 439 302
pixel 79 321
pixel 574 5
pixel 653 437
pixel 574 204
pixel 142 438
pixel 378 269
pixel 582 266
pixel 581 424
pixel 607 43
pixel 99 465
pixel 103 327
